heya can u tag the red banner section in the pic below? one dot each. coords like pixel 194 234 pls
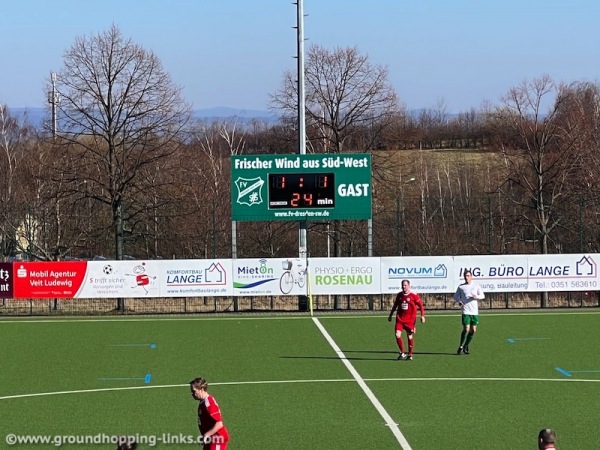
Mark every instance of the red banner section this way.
pixel 60 279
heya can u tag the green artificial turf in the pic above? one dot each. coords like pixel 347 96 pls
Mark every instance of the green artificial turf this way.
pixel 281 385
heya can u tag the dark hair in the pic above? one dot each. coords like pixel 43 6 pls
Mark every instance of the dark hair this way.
pixel 127 446
pixel 547 436
pixel 199 383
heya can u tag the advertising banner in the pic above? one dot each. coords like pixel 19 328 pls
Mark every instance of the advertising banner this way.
pixel 344 275
pixel 498 273
pixel 296 276
pixel 115 279
pixel 565 272
pixel 274 276
pixel 59 279
pixel 195 277
pixel 427 274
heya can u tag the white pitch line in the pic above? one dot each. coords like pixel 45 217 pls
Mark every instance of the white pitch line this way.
pixel 339 380
pixel 378 406
pixel 132 388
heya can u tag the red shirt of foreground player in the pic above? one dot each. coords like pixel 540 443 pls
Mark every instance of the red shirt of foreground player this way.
pixel 406 305
pixel 210 422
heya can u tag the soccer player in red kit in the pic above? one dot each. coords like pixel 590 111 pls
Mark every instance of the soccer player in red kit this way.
pixel 406 304
pixel 210 423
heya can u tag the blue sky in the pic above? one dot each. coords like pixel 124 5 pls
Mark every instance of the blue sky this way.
pixel 232 53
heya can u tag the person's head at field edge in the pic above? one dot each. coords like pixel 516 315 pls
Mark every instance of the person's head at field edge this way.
pixel 126 444
pixel 468 276
pixel 405 286
pixel 132 446
pixel 198 387
pixel 546 438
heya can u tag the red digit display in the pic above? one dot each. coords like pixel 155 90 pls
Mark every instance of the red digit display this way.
pixel 305 190
pixel 295 199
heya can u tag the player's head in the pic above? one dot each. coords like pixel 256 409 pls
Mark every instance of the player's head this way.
pixel 127 444
pixel 198 387
pixel 545 437
pixel 468 275
pixel 405 286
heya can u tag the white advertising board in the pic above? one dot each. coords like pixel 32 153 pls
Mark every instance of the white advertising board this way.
pixel 565 272
pixel 114 279
pixel 427 274
pixel 195 277
pixel 345 275
pixel 497 273
pixel 274 276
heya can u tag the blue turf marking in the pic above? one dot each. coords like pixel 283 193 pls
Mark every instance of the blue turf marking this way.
pixel 147 378
pixel 513 340
pixel 134 345
pixel 564 372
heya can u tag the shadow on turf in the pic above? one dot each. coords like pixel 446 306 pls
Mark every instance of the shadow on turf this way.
pixel 355 358
pixel 396 352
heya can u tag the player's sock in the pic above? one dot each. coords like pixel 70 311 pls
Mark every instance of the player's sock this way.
pixel 411 344
pixel 463 337
pixel 469 338
pixel 400 343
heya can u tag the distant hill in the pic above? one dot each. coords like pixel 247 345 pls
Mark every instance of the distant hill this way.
pixel 223 111
pixel 36 116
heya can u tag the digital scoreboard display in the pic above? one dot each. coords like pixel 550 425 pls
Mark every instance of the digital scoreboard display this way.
pixel 301 187
pixel 301 190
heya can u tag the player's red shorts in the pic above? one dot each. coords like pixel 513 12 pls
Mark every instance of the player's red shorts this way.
pixel 220 443
pixel 214 446
pixel 408 327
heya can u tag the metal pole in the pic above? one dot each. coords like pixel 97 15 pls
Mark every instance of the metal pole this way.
pixel 302 240
pixel 581 224
pixel 398 226
pixel 370 237
pixel 53 100
pixel 214 230
pixel 234 255
pixel 490 224
pixel 233 239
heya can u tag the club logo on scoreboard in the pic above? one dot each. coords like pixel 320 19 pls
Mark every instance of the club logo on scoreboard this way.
pixel 249 191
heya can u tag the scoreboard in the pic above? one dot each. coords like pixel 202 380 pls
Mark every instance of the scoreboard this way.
pixel 301 187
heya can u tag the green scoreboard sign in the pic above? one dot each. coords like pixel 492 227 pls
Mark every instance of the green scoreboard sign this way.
pixel 301 187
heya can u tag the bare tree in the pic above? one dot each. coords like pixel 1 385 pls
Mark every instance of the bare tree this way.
pixel 582 107
pixel 345 95
pixel 540 151
pixel 344 92
pixel 16 141
pixel 13 137
pixel 120 117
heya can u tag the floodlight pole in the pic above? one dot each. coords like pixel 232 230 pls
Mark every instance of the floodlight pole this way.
pixel 302 239
pixel 302 229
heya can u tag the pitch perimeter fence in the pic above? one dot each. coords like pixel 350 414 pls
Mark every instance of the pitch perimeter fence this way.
pixel 282 304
